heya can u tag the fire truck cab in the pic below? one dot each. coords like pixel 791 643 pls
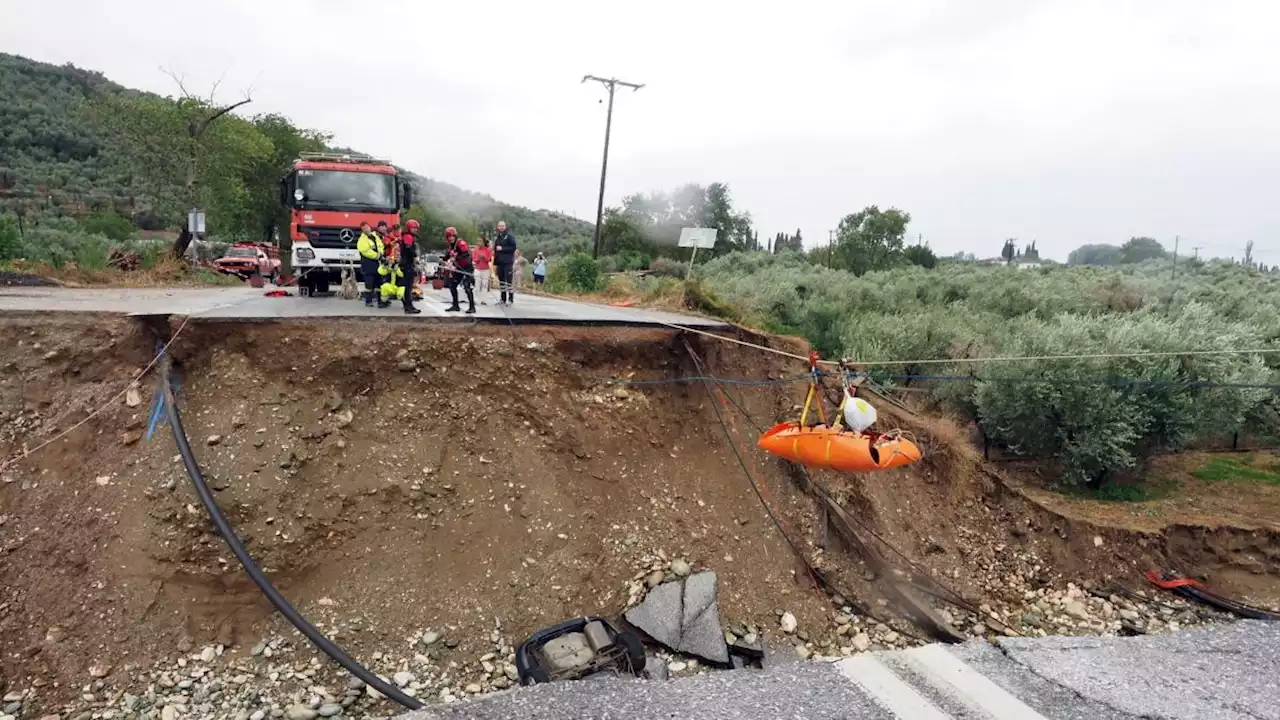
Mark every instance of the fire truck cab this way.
pixel 328 196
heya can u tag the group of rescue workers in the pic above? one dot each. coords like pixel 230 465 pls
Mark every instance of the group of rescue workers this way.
pixel 388 265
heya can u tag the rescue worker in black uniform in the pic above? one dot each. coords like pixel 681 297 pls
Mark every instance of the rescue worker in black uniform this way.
pixel 408 266
pixel 464 275
pixel 451 278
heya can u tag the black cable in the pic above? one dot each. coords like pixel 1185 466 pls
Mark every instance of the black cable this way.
pixel 1227 605
pixel 255 573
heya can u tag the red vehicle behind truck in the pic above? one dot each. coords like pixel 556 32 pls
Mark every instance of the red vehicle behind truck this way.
pixel 328 196
pixel 247 259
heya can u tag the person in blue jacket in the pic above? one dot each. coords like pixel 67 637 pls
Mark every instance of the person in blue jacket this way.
pixel 539 269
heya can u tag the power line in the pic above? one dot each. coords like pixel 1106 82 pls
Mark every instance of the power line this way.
pixel 1115 382
pixel 1086 356
pixel 1056 381
pixel 612 84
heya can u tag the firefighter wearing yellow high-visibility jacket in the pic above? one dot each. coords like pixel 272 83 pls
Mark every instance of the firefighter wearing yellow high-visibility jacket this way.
pixel 371 249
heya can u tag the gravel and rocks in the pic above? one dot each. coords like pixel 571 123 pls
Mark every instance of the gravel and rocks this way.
pixel 279 678
pixel 284 677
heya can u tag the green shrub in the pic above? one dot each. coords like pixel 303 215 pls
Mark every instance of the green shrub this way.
pixel 1092 416
pixel 10 239
pixel 578 272
pixel 92 255
pixel 151 253
pixel 49 243
pixel 701 299
pixel 666 267
pixel 109 224
pixel 633 260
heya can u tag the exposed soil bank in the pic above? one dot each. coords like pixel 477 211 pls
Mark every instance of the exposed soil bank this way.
pixel 392 479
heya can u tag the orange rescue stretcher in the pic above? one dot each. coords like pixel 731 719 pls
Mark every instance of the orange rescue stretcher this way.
pixel 833 447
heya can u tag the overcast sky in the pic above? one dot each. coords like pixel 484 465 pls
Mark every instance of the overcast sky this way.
pixel 1067 121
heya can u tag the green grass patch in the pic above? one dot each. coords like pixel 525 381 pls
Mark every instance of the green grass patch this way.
pixel 1144 492
pixel 208 277
pixel 1230 469
pixel 1126 490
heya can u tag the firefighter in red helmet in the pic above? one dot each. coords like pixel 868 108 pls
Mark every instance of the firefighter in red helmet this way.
pixel 450 243
pixel 464 275
pixel 448 262
pixel 408 265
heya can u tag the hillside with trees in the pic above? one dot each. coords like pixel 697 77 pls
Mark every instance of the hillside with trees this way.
pixel 77 149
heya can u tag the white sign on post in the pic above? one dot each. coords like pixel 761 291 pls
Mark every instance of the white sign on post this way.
pixel 195 222
pixel 697 238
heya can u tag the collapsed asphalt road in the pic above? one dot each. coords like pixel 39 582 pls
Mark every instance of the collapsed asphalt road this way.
pixel 246 303
pixel 1223 673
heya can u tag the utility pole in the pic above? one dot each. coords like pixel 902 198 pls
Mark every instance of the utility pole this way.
pixel 831 239
pixel 1176 239
pixel 612 84
pixel 1196 251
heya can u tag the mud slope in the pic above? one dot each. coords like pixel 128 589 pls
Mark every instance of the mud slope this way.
pixel 392 479
pixel 408 479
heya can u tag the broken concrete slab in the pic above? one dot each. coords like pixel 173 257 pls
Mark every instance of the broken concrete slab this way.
pixel 684 616
pixel 703 635
pixel 661 614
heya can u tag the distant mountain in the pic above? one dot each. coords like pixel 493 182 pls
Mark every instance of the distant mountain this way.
pixel 56 157
pixel 552 232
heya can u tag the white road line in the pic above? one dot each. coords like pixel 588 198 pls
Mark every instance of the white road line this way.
pixel 951 675
pixel 888 690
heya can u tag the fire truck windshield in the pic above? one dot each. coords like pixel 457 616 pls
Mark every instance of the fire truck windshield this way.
pixel 337 189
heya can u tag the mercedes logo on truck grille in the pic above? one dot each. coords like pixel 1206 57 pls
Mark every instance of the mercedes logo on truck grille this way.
pixel 346 235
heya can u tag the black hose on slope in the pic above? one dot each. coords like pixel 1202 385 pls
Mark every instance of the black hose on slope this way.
pixel 291 613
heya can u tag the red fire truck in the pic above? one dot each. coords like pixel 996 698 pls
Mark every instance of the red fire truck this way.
pixel 328 196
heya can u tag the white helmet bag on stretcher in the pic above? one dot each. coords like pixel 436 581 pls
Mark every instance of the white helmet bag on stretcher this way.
pixel 858 413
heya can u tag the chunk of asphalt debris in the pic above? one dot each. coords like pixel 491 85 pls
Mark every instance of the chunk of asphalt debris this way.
pixel 684 616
